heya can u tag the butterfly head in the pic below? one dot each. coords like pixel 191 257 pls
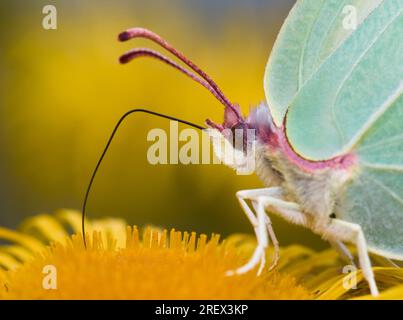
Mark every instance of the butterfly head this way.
pixel 237 132
pixel 235 141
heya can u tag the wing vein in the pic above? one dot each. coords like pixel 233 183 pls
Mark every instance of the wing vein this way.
pixel 385 188
pixel 382 143
pixel 385 167
pixel 328 29
pixel 359 60
pixel 389 102
pixel 301 58
pixel 334 52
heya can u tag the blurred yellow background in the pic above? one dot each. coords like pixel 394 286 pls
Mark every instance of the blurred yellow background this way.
pixel 62 91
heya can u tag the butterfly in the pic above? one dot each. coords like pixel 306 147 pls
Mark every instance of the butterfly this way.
pixel 328 143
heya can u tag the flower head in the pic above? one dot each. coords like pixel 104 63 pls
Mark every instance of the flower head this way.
pixel 153 264
pixel 121 262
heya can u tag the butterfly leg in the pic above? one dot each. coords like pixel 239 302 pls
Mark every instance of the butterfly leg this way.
pixel 261 198
pixel 288 210
pixel 258 223
pixel 351 232
pixel 273 238
pixel 261 236
pixel 341 248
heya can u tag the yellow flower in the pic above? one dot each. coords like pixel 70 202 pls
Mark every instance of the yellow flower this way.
pixel 122 263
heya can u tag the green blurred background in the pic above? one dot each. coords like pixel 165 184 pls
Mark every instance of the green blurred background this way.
pixel 62 91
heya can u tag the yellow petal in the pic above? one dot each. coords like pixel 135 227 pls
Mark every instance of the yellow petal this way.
pixel 8 262
pixel 70 217
pixel 18 252
pixel 44 227
pixel 24 240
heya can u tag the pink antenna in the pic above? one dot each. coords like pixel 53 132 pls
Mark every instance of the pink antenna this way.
pixel 144 52
pixel 144 33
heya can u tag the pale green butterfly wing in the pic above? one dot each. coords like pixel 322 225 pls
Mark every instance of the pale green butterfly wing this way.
pixel 374 199
pixel 353 102
pixel 351 89
pixel 311 33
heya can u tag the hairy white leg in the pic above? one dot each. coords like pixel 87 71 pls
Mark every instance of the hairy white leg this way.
pixel 262 263
pixel 262 244
pixel 297 217
pixel 343 251
pixel 391 263
pixel 338 230
pixel 244 195
pixel 272 236
pixel 351 232
pixel 341 231
pixel 290 212
pixel 262 198
pixel 276 244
